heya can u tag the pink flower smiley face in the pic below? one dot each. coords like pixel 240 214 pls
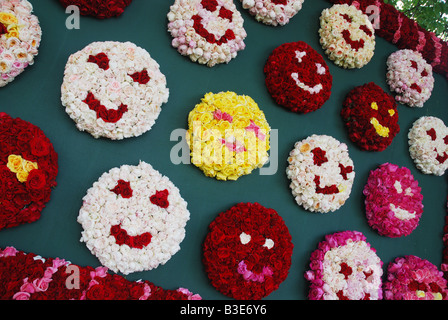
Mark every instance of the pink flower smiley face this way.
pixel 113 90
pixel 133 219
pixel 247 253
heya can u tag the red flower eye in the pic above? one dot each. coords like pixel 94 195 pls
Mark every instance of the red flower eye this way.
pixel 100 59
pixel 432 133
pixel 319 156
pixel 225 14
pixel 141 77
pixel 123 188
pixel 424 73
pixel 160 198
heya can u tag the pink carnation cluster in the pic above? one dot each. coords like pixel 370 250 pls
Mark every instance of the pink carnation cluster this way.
pixel 413 278
pixel 393 200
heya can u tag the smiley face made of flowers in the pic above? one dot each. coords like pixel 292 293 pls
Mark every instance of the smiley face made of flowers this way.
pixel 371 117
pixel 347 36
pixel 428 145
pixel 273 12
pixel 101 9
pixel 345 267
pixel 410 77
pixel 321 173
pixel 228 135
pixel 20 36
pixel 393 201
pixel 28 170
pixel 297 77
pixel 209 32
pixel 133 218
pixel 247 252
pixel 113 90
pixel 414 278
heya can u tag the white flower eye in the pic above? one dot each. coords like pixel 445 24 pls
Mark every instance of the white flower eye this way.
pixel 320 69
pixel 244 238
pixel 268 243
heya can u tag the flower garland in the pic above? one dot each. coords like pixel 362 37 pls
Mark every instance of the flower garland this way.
pixel 428 145
pixel 113 90
pixel 27 276
pixel 133 218
pixel 345 267
pixel 413 278
pixel 247 252
pixel 321 173
pixel 101 9
pixel 209 32
pixel 20 36
pixel 228 135
pixel 28 170
pixel 347 36
pixel 395 27
pixel 410 77
pixel 273 12
pixel 297 77
pixel 371 117
pixel 393 200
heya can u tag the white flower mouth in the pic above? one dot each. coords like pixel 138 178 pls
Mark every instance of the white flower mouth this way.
pixel 313 90
pixel 401 213
pixel 252 276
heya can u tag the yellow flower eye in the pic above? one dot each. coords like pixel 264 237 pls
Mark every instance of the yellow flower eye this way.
pixel 374 106
pixel 391 112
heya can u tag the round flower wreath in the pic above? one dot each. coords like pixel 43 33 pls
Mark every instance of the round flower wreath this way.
pixel 428 145
pixel 273 12
pixel 297 77
pixel 410 77
pixel 371 117
pixel 31 277
pixel 413 278
pixel 113 90
pixel 20 36
pixel 347 36
pixel 247 252
pixel 321 173
pixel 28 170
pixel 228 135
pixel 101 9
pixel 394 203
pixel 345 267
pixel 209 32
pixel 133 218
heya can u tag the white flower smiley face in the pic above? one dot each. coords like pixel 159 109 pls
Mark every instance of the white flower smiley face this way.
pixel 133 219
pixel 113 90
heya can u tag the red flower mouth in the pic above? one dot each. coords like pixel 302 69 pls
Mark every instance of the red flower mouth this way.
pixel 107 115
pixel 121 237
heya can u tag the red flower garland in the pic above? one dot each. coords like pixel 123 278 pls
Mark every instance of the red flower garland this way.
pixel 23 200
pixel 397 28
pixel 297 77
pixel 28 276
pixel 101 9
pixel 247 253
pixel 371 117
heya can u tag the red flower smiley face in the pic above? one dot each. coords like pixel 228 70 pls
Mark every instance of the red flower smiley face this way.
pixel 371 117
pixel 297 77
pixel 247 253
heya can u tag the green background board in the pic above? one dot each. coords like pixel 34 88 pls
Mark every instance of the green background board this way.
pixel 35 96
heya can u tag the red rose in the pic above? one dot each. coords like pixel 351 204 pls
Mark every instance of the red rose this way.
pixel 40 146
pixel 36 180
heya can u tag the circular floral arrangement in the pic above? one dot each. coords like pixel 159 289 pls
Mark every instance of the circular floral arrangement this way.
pixel 273 12
pixel 428 145
pixel 101 9
pixel 209 32
pixel 20 36
pixel 321 173
pixel 297 77
pixel 133 218
pixel 410 77
pixel 113 90
pixel 28 170
pixel 345 267
pixel 371 117
pixel 413 278
pixel 247 252
pixel 394 203
pixel 347 36
pixel 228 135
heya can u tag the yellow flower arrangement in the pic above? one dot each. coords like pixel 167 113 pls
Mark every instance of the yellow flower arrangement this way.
pixel 228 135
pixel 20 167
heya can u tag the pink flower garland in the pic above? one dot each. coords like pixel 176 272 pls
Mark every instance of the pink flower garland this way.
pixel 393 201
